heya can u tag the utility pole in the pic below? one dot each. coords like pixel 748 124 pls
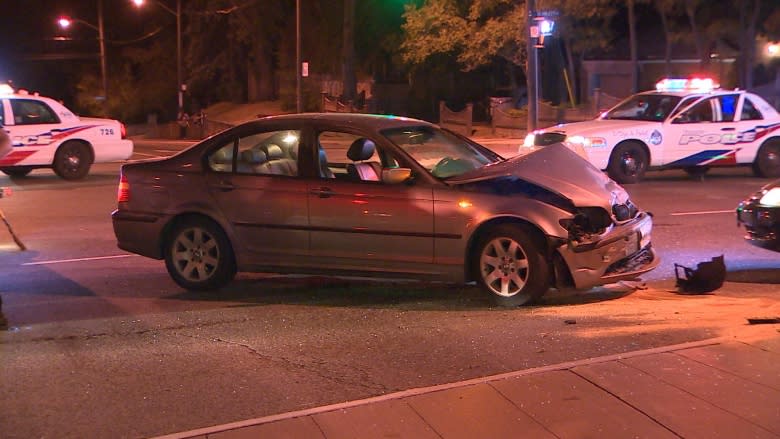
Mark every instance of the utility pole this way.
pixel 102 38
pixel 532 71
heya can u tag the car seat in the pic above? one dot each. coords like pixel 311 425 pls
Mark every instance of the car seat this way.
pixel 277 162
pixel 251 161
pixel 361 150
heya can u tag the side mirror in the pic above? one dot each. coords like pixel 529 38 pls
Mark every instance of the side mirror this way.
pixel 396 175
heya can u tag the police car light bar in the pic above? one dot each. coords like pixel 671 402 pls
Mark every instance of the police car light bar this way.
pixel 6 89
pixel 701 85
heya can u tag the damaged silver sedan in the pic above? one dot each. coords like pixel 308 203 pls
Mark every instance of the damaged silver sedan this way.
pixel 366 195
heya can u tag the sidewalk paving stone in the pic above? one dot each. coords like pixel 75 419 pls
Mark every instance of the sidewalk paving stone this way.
pixel 572 407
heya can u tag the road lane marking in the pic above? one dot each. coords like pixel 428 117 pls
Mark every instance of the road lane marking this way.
pixel 149 155
pixel 64 261
pixel 703 212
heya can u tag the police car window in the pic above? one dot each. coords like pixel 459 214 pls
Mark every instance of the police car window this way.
pixel 31 112
pixel 749 111
pixel 728 108
pixel 701 112
pixel 649 107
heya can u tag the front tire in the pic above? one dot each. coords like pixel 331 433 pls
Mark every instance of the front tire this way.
pixel 767 162
pixel 198 255
pixel 72 161
pixel 511 266
pixel 16 171
pixel 628 163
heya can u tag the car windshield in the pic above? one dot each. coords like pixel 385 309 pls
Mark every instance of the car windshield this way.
pixel 442 153
pixel 647 107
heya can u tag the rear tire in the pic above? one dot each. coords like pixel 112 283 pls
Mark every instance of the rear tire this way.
pixel 198 255
pixel 72 161
pixel 510 265
pixel 767 162
pixel 16 171
pixel 628 163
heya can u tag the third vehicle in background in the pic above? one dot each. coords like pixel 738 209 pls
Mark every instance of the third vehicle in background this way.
pixel 45 134
pixel 760 215
pixel 686 124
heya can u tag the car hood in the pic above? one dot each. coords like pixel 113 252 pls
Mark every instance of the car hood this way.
pixel 600 126
pixel 557 169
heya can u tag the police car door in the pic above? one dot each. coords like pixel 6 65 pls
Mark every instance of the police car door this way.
pixel 704 134
pixel 30 127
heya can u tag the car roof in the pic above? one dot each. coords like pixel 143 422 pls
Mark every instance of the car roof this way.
pixel 682 94
pixel 358 120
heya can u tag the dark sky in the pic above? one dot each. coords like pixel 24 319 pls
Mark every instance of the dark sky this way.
pixel 36 54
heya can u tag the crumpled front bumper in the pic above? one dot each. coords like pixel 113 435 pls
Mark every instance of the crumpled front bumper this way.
pixel 762 224
pixel 623 253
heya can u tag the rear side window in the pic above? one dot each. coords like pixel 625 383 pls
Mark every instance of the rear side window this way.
pixel 272 152
pixel 750 112
pixel 32 112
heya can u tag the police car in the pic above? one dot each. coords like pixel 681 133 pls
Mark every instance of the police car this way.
pixel 685 123
pixel 45 134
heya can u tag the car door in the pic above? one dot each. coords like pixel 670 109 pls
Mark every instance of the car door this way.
pixel 705 134
pixel 357 220
pixel 254 179
pixel 29 124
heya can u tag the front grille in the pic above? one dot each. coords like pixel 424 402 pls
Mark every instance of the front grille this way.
pixel 544 139
pixel 632 263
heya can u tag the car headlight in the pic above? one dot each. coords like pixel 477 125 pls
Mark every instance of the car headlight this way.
pixel 771 197
pixel 529 139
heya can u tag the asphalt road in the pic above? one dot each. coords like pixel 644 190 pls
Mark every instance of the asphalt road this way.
pixel 104 344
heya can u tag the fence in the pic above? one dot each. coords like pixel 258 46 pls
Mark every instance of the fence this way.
pixel 458 121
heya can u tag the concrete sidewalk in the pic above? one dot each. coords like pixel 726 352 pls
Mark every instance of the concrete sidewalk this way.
pixel 720 388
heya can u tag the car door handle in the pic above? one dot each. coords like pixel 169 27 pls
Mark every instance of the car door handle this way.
pixel 727 129
pixel 322 192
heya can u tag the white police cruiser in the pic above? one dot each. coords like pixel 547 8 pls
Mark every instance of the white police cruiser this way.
pixel 686 123
pixel 45 134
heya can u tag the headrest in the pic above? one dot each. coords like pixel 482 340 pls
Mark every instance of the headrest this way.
pixel 273 151
pixel 360 150
pixel 223 156
pixel 253 156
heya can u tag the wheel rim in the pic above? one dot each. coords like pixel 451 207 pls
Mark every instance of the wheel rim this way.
pixel 504 267
pixel 195 254
pixel 71 160
pixel 629 163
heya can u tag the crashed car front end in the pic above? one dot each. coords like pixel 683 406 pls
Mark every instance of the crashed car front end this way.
pixel 595 234
pixel 760 216
pixel 600 248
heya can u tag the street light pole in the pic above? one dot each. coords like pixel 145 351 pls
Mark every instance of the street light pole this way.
pixel 178 58
pixel 65 22
pixel 297 56
pixel 179 80
pixel 103 70
pixel 532 74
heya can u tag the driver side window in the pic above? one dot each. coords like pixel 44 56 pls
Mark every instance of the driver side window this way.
pixel 351 157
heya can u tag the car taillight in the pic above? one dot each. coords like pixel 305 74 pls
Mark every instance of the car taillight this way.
pixel 123 129
pixel 123 193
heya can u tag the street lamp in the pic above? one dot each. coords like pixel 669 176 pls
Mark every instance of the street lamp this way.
pixel 177 14
pixel 65 22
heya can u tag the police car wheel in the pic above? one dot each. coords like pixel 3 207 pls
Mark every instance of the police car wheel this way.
pixel 767 163
pixel 72 161
pixel 627 163
pixel 16 171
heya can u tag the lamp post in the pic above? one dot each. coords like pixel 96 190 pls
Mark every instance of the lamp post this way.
pixel 297 56
pixel 65 22
pixel 177 14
